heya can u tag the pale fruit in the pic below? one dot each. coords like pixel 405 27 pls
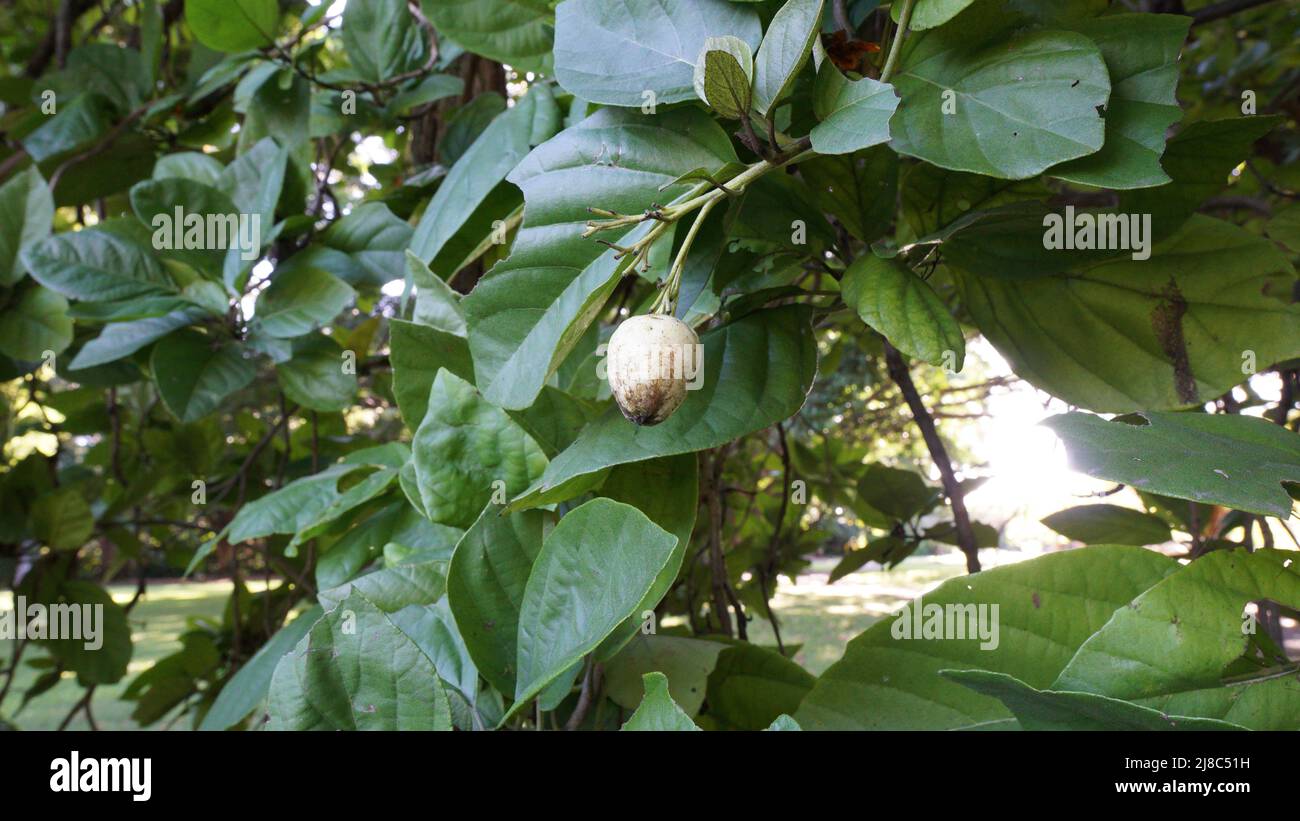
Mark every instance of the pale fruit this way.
pixel 652 361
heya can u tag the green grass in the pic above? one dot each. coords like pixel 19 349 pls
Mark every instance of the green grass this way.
pixel 819 616
pixel 156 623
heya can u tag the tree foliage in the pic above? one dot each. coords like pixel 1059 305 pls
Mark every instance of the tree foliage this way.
pixel 323 300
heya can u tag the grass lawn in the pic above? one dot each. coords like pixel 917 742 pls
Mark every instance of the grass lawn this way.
pixel 156 622
pixel 820 616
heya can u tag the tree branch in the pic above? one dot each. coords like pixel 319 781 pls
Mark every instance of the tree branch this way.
pixel 965 534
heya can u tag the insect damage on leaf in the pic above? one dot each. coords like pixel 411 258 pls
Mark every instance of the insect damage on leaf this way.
pixel 1167 322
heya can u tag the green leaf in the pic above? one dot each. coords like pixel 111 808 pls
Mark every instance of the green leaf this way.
pixel 485 587
pixel 1055 710
pixel 1020 104
pixel 724 76
pixel 686 661
pixel 1141 54
pixel 744 390
pixel 122 339
pixel 784 723
pixel 95 265
pixel 195 373
pixel 1199 159
pixel 381 39
pixel 217 223
pixel 532 120
pixel 855 114
pixel 666 490
pixel 517 32
pixel 751 686
pixel 356 670
pixel 36 323
pixel 290 508
pixel 928 14
pixel 466 451
pixel 1170 649
pixel 1166 332
pixel 905 309
pixel 375 239
pixel 393 588
pixel 595 567
pixel 436 304
pixel 860 190
pixel 784 52
pixel 26 211
pixel 62 520
pixel 254 179
pixel 107 663
pixel 233 25
pixel 529 311
pixel 418 352
pixel 900 494
pixel 1109 524
pixel 641 52
pixel 1047 607
pixel 1284 227
pixel 189 165
pixel 78 122
pixel 299 300
pixel 369 488
pixel 248 687
pixel 315 377
pixel 1235 461
pixel 658 712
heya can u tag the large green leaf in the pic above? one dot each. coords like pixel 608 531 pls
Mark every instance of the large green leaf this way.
pixel 62 520
pixel 1235 461
pixel 855 114
pixel 107 663
pixel 903 307
pixel 485 587
pixel 125 338
pixel 657 711
pixel 95 265
pixel 418 352
pixel 1172 648
pixel 1141 54
pixel 928 14
pixel 1063 710
pixel 375 240
pixel 641 52
pixel 1155 334
pixel 1199 160
pixel 1047 607
pixel 1019 104
pixel 751 686
pixel 196 373
pixel 381 39
pixel 37 322
pixel 858 189
pixel 757 372
pixel 1108 524
pixel 208 228
pixel 254 179
pixel 299 300
pixel 517 32
pixel 291 507
pixel 233 25
pixel 530 310
pixel 26 211
pixel 686 661
pixel 393 588
pixel 594 569
pixel 666 490
pixel 247 688
pixel 316 376
pixel 532 120
pixel 785 49
pixel 356 670
pixel 463 448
